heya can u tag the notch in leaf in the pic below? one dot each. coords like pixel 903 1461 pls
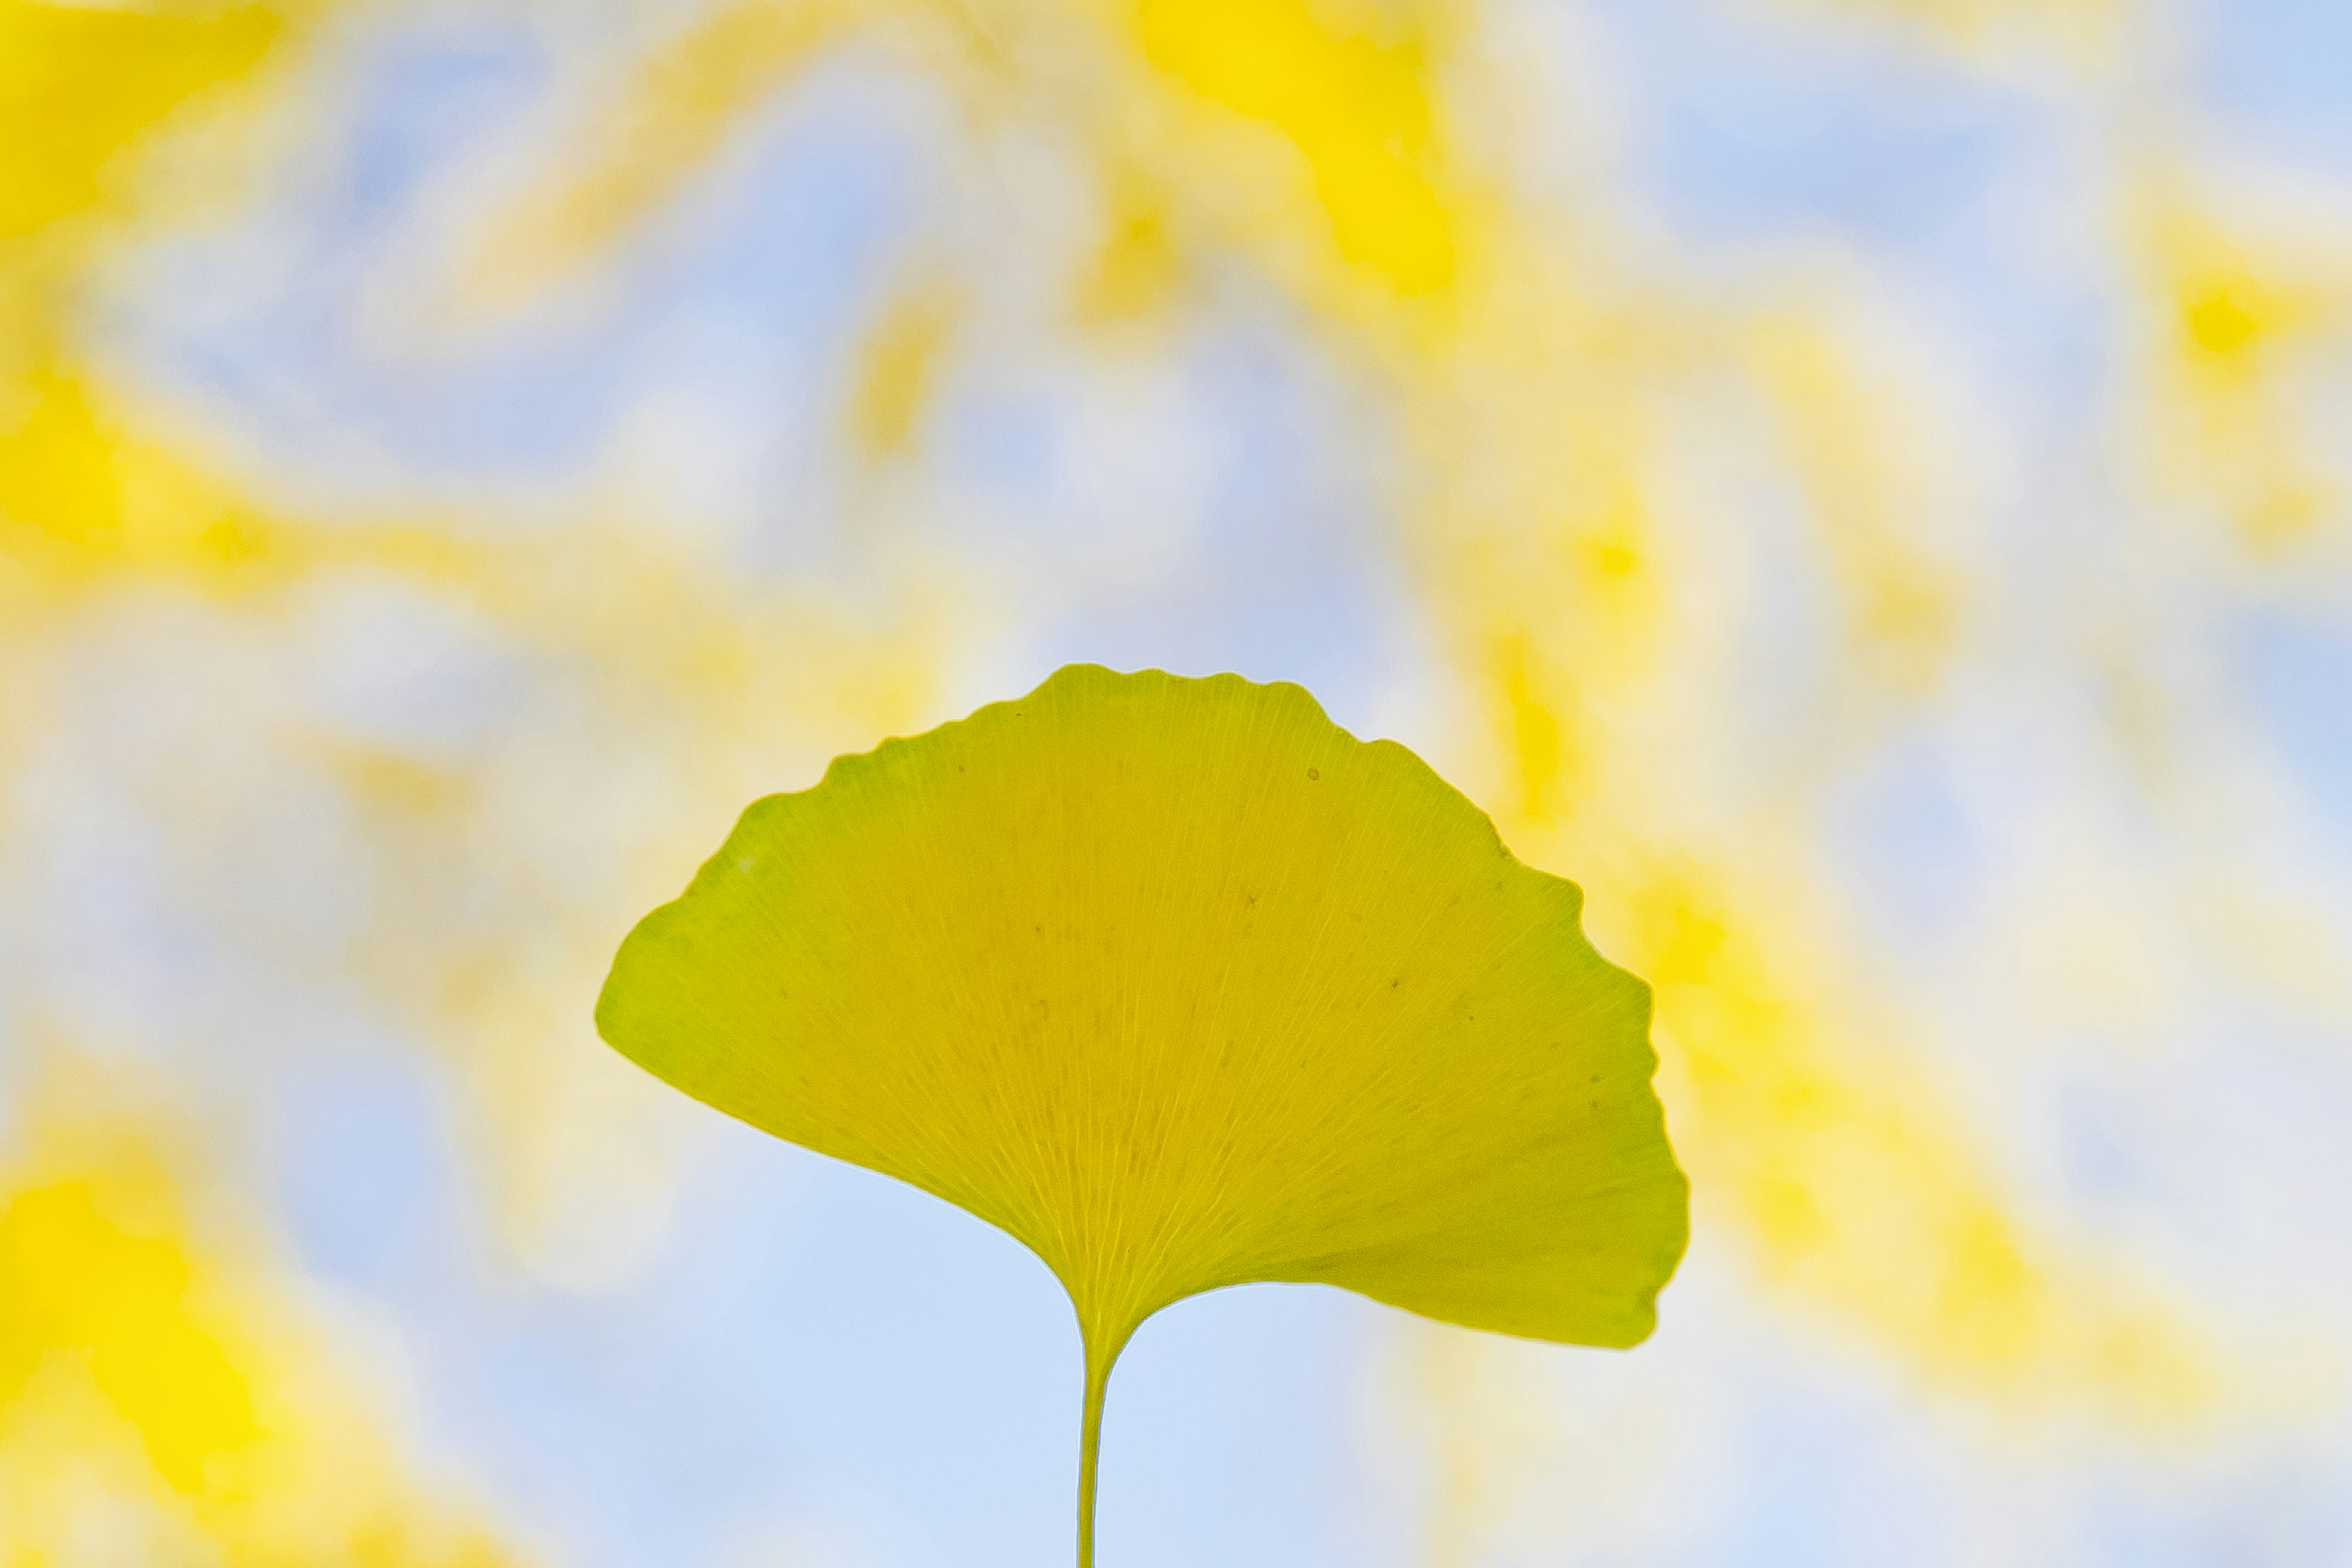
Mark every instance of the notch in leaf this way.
pixel 1183 986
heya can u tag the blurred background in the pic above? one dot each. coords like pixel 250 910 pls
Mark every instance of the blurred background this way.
pixel 1863 486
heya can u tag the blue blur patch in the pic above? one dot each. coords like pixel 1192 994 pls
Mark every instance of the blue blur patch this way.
pixel 1225 1436
pixel 409 672
pixel 1917 857
pixel 2279 73
pixel 1789 1513
pixel 930 1358
pixel 2298 674
pixel 1821 1484
pixel 362 1168
pixel 778 243
pixel 1758 127
pixel 816 1334
pixel 824 1342
pixel 423 102
pixel 1777 132
pixel 1271 578
pixel 2103 1139
pixel 2278 1507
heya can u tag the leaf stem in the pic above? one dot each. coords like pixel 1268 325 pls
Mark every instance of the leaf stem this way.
pixel 1100 1357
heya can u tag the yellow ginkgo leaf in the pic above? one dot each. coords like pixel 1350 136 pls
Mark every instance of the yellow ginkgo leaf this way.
pixel 1184 987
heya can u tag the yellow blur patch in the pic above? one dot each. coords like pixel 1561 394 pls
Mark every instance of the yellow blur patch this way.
pixel 1355 106
pixel 1855 1188
pixel 73 1282
pixel 1137 268
pixel 2247 327
pixel 2230 306
pixel 80 500
pixel 152 1395
pixel 2226 317
pixel 84 501
pixel 2230 311
pixel 897 370
pixel 78 83
pixel 1537 743
pixel 1850 457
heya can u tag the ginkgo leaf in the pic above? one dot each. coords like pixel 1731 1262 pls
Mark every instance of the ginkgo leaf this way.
pixel 1183 986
